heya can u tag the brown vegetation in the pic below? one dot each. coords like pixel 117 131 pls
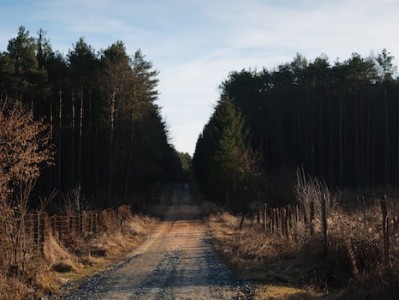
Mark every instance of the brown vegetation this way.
pixel 51 254
pixel 24 148
pixel 353 255
pixel 40 252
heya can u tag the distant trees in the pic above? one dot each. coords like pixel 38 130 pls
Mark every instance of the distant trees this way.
pixel 339 121
pixel 101 113
pixel 186 161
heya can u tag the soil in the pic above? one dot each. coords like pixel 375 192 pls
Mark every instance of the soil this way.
pixel 176 262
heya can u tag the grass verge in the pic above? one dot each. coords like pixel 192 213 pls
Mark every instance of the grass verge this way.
pixel 74 258
pixel 297 268
pixel 252 256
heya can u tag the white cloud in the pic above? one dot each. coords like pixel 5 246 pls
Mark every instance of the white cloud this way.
pixel 326 25
pixel 195 44
pixel 259 33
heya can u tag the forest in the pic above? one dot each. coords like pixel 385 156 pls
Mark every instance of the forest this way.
pixel 337 122
pixel 85 123
pixel 84 149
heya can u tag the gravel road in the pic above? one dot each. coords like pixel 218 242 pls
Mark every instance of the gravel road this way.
pixel 176 262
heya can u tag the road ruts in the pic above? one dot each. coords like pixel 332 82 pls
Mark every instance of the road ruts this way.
pixel 177 262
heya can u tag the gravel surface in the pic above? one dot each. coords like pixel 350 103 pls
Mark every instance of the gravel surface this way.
pixel 176 262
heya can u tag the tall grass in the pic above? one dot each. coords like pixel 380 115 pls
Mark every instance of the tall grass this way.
pixel 62 257
pixel 356 265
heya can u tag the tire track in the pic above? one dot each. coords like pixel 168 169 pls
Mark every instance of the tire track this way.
pixel 177 262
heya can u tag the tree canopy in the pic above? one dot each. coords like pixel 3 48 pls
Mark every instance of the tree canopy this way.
pixel 338 121
pixel 223 161
pixel 101 110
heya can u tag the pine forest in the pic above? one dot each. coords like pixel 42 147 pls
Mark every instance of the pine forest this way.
pixel 335 121
pixel 94 113
pixel 293 183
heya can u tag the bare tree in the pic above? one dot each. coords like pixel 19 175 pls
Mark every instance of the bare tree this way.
pixel 24 148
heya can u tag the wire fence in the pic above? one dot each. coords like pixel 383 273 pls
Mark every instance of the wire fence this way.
pixel 377 223
pixel 23 238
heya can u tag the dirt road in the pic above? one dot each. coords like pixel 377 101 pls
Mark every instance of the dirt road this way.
pixel 177 262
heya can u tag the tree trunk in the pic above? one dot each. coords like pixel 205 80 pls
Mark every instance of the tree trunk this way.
pixel 72 174
pixel 386 164
pixel 129 164
pixel 60 152
pixel 110 145
pixel 341 143
pixel 80 138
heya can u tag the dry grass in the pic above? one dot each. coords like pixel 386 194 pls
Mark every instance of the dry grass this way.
pixel 13 288
pixel 76 257
pixel 112 246
pixel 253 255
pixel 298 269
pixel 283 292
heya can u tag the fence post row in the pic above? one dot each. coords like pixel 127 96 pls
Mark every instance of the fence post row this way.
pixel 284 222
pixel 36 227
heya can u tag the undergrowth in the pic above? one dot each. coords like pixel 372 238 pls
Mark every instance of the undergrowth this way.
pixel 74 257
pixel 353 268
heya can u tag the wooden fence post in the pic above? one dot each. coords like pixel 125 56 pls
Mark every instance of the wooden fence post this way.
pixel 324 224
pixel 71 222
pixel 77 226
pixel 265 217
pixel 60 226
pixel 64 226
pixel 285 219
pixel 296 221
pixel 282 220
pixel 277 216
pixel 36 230
pixel 385 228
pixel 272 219
pixel 95 222
pixel 79 223
pixel 42 229
pixel 351 254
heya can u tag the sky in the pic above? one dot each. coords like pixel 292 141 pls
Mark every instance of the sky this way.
pixel 195 44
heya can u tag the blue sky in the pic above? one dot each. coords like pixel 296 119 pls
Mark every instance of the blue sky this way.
pixel 196 43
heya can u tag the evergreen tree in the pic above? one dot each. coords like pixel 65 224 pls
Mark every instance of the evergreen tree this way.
pixel 28 83
pixel 229 169
pixel 337 121
pixel 103 118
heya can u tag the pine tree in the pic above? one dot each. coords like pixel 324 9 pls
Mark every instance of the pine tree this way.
pixel 101 111
pixel 223 159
